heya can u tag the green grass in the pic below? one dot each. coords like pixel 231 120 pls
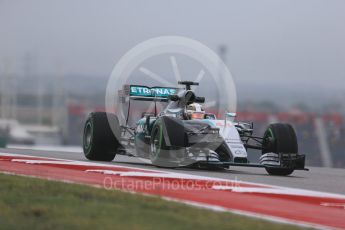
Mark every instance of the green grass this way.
pixel 28 203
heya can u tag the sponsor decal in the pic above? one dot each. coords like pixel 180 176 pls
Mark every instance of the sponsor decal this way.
pixel 144 91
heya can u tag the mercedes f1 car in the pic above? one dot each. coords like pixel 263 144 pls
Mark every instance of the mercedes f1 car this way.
pixel 183 134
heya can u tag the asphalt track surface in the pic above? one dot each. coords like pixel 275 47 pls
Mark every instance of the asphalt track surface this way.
pixel 317 179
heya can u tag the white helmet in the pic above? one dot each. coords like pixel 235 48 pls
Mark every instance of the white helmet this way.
pixel 195 111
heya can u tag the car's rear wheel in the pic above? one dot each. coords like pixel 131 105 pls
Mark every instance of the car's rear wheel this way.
pixel 280 138
pixel 100 141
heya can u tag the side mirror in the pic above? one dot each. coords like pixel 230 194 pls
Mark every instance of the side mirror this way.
pixel 173 97
pixel 230 115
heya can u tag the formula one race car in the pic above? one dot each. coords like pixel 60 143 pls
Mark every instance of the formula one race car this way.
pixel 184 134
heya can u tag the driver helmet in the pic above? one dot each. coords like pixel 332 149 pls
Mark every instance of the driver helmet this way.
pixel 195 111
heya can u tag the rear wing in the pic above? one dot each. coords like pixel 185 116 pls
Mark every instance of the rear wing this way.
pixel 145 93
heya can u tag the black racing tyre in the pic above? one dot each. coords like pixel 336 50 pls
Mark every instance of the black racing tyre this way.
pixel 160 153
pixel 280 138
pixel 99 140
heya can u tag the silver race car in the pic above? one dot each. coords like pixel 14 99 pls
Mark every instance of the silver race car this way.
pixel 183 134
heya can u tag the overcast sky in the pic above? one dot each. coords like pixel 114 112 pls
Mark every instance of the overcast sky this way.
pixel 280 41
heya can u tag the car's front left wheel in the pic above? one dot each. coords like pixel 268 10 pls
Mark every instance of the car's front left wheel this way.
pixel 162 155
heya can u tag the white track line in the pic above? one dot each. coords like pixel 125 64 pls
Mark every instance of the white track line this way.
pixel 305 192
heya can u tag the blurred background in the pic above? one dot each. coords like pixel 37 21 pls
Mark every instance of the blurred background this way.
pixel 287 58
